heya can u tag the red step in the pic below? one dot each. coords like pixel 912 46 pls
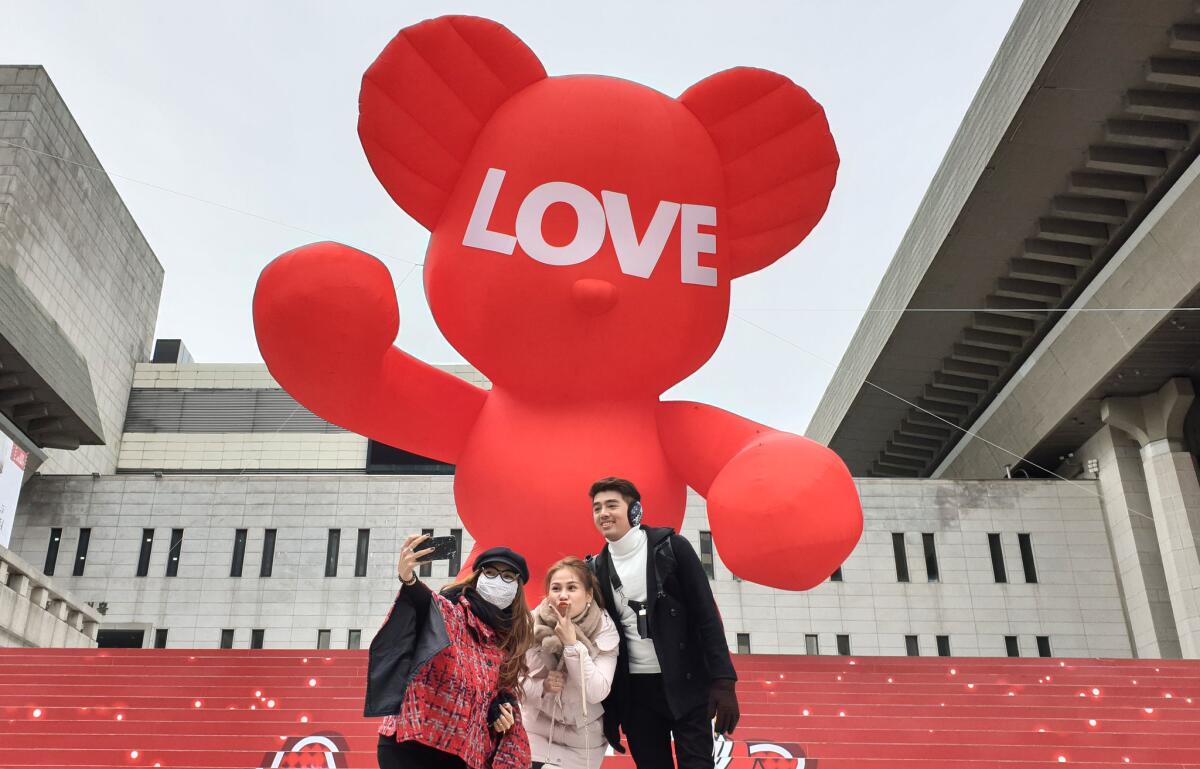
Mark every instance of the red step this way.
pixel 138 708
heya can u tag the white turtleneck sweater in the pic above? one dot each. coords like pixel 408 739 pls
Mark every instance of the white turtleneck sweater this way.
pixel 629 554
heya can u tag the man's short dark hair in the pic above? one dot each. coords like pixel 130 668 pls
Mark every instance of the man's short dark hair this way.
pixel 623 487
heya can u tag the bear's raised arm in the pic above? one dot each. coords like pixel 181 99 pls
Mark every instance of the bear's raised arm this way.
pixel 783 509
pixel 326 318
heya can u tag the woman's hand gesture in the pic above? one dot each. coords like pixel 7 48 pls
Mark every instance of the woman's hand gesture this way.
pixel 565 629
pixel 506 719
pixel 410 557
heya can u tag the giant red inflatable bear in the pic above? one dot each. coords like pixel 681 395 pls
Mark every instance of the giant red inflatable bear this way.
pixel 585 231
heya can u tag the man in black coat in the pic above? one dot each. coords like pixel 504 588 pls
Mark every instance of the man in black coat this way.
pixel 674 673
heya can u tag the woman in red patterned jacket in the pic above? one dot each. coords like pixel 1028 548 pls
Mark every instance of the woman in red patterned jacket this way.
pixel 442 661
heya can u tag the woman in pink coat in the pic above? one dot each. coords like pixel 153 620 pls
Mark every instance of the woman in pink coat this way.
pixel 571 668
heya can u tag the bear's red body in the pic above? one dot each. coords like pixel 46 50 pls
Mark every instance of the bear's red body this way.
pixel 585 231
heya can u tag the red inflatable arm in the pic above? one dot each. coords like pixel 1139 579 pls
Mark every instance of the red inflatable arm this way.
pixel 783 509
pixel 326 317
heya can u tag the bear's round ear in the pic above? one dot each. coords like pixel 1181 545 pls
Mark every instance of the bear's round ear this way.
pixel 426 98
pixel 779 159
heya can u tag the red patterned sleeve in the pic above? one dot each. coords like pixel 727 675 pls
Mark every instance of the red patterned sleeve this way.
pixel 513 751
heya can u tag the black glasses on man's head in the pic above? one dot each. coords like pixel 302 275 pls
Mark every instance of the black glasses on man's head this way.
pixel 493 572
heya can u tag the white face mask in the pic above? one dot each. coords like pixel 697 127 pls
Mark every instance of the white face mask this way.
pixel 496 591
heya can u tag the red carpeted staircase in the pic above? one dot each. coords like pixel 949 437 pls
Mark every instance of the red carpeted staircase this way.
pixel 243 709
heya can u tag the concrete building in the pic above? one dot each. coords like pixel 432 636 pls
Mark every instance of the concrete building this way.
pixel 79 290
pixel 1063 222
pixel 231 516
pixel 237 516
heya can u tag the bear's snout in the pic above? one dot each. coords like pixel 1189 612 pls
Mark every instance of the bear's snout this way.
pixel 594 297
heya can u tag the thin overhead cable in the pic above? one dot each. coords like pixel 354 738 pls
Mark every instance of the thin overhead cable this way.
pixel 948 423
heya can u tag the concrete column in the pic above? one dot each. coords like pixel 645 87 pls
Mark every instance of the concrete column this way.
pixel 3 573
pixel 1155 421
pixel 1134 543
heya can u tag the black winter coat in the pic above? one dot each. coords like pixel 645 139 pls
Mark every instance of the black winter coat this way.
pixel 685 625
pixel 412 634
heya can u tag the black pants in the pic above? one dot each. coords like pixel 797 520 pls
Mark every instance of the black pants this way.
pixel 648 726
pixel 414 755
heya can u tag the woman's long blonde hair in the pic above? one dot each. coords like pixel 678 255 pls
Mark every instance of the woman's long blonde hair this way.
pixel 517 640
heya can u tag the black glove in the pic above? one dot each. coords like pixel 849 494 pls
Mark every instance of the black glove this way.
pixel 494 708
pixel 722 703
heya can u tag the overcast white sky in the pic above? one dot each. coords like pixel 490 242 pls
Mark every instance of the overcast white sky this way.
pixel 253 105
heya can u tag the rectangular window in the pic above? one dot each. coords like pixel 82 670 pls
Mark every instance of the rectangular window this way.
pixel 360 553
pixel 227 638
pixel 706 553
pixel 1043 644
pixel 1027 557
pixel 425 569
pixel 256 638
pixel 911 647
pixel 811 646
pixel 743 643
pixel 837 575
pixel 998 570
pixel 1010 646
pixel 354 639
pixel 456 559
pixel 174 552
pixel 144 554
pixel 931 564
pixel 901 557
pixel 943 645
pixel 323 639
pixel 160 636
pixel 52 552
pixel 268 557
pixel 85 537
pixel 332 546
pixel 239 553
pixel 843 644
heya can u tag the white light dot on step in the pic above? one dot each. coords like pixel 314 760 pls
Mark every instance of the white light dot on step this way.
pixel 304 719
pixel 304 660
pixel 953 672
pixel 197 704
pixel 1041 731
pixel 839 678
pixel 841 714
pixel 133 754
pixel 37 712
pixel 120 716
pixel 1012 694
pixel 970 686
pixel 1149 710
pixel 1091 722
pixel 889 680
pixel 1127 759
pixel 852 662
pixel 1167 695
pixel 254 707
pixel 258 693
pixel 1095 692
pixel 804 712
pixel 1062 759
pixel 270 703
pixel 312 682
